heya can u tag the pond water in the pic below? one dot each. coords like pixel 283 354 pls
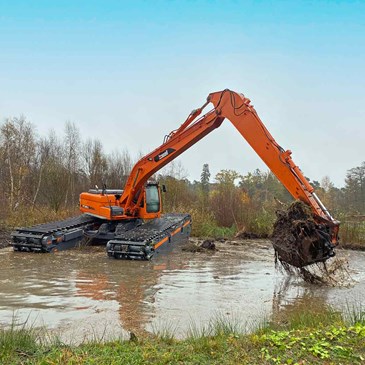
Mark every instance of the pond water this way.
pixel 82 294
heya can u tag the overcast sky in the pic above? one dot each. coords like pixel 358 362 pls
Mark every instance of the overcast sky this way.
pixel 129 72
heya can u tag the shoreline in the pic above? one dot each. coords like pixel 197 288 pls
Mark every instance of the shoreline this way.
pixel 316 339
pixel 5 241
pixel 4 238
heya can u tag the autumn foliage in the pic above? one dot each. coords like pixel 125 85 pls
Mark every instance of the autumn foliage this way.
pixel 41 178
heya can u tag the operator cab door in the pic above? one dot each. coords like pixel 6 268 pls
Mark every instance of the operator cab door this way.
pixel 152 202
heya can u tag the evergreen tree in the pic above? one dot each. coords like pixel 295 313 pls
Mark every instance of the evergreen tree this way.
pixel 204 184
pixel 204 179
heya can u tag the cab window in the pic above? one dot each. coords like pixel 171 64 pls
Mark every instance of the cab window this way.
pixel 152 199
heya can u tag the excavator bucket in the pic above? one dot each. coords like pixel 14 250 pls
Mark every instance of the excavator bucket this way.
pixel 298 239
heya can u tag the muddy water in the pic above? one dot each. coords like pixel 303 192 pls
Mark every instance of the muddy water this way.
pixel 84 295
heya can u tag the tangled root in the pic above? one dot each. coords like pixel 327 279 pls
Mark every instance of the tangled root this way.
pixel 298 239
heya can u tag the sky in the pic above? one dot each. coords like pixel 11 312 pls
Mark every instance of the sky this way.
pixel 129 72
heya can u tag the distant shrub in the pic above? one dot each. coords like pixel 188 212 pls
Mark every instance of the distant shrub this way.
pixel 352 232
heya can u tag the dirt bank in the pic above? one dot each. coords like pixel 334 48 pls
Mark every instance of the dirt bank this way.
pixel 244 235
pixel 352 246
pixel 4 238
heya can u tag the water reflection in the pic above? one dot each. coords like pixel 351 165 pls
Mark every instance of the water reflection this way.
pixel 133 284
pixel 85 292
pixel 291 299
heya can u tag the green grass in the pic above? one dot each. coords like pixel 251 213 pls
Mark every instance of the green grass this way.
pixel 20 340
pixel 334 344
pixel 204 225
pixel 354 313
pixel 309 314
pixel 214 231
pixel 304 338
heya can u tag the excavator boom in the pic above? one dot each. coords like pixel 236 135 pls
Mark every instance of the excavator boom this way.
pixel 243 116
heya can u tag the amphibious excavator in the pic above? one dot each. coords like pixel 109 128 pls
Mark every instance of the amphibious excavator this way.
pixel 130 222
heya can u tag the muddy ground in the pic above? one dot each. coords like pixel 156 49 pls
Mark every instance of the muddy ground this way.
pixel 4 238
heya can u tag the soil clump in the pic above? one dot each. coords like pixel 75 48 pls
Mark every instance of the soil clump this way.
pixel 302 247
pixel 205 246
pixel 297 239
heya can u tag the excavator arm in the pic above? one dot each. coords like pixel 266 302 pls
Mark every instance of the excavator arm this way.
pixel 243 116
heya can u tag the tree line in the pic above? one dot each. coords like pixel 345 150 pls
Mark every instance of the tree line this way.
pixel 50 172
pixel 47 174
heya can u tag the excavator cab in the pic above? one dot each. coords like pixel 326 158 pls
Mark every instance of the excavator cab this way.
pixel 152 196
pixel 151 203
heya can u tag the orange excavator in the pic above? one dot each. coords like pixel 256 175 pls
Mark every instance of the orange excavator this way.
pixel 130 220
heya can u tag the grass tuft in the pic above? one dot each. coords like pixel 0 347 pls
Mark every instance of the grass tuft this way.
pixel 354 313
pixel 19 340
pixel 166 331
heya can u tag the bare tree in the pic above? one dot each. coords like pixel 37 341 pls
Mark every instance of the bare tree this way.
pixel 54 178
pixel 72 147
pixel 119 167
pixel 18 150
pixel 95 162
